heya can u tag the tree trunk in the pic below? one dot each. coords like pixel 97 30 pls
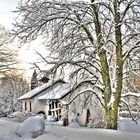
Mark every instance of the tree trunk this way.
pixel 111 111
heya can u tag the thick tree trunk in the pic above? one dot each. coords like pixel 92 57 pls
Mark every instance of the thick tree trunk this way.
pixel 111 118
pixel 111 111
pixel 112 115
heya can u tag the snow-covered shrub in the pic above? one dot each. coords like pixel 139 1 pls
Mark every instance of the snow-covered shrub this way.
pixel 20 116
pixel 4 112
pixel 32 127
pixel 12 86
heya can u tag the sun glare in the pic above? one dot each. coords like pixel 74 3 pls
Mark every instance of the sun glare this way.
pixel 28 55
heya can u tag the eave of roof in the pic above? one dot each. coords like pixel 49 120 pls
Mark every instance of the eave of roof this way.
pixel 56 93
pixel 38 90
pixel 33 92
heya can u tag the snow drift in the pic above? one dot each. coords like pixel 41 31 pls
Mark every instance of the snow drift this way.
pixel 32 127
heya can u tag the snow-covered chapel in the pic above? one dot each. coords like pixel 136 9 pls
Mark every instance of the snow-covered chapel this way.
pixel 49 98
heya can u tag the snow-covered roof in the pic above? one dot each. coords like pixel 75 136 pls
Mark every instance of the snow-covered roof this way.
pixel 33 92
pixel 57 91
pixel 54 86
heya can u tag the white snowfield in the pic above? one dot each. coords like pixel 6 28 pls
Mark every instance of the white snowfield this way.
pixel 67 133
pixel 52 132
pixel 30 128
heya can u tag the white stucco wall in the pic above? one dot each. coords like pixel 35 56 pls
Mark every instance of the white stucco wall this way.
pixel 36 105
pixel 28 103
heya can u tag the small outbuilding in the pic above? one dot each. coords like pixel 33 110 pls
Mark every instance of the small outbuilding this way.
pixel 49 99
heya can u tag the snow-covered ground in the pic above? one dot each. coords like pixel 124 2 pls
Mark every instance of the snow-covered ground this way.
pixel 73 132
pixel 7 126
pixel 127 125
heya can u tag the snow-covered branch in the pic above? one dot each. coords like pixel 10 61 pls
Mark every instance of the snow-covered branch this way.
pixel 89 91
pixel 131 94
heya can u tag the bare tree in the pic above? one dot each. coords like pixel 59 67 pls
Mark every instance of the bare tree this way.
pixel 11 88
pixel 94 38
pixel 131 90
pixel 8 55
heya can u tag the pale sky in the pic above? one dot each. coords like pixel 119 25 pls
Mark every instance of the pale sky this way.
pixel 6 14
pixel 27 53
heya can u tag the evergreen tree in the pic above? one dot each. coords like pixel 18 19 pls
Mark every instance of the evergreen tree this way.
pixel 34 80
